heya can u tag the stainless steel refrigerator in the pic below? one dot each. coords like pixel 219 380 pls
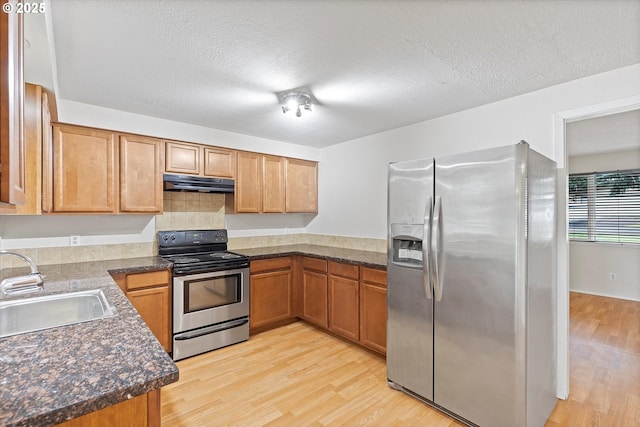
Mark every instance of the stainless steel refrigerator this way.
pixel 471 284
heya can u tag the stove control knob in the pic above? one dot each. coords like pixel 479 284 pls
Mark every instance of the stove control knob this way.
pixel 165 238
pixel 173 237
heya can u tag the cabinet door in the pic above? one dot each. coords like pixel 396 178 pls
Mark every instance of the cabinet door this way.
pixel 12 151
pixel 314 305
pixel 182 157
pixel 270 297
pixel 219 162
pixel 301 186
pixel 153 306
pixel 373 309
pixel 140 174
pixel 273 192
pixel 84 170
pixel 248 192
pixel 33 147
pixel 344 301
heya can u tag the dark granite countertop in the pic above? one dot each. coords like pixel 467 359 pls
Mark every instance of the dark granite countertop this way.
pixel 49 376
pixel 354 256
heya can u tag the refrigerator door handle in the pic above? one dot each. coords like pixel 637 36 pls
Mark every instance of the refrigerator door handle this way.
pixel 436 249
pixel 426 243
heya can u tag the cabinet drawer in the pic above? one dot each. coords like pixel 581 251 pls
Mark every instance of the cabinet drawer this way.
pixel 378 277
pixel 314 264
pixel 146 280
pixel 350 271
pixel 270 264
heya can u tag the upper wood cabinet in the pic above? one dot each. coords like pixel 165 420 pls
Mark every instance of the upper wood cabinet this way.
pixel 12 150
pixel 47 156
pixel 197 159
pixel 141 162
pixel 85 170
pixel 248 192
pixel 273 184
pixel 219 162
pixel 182 158
pixel 301 186
pixel 98 171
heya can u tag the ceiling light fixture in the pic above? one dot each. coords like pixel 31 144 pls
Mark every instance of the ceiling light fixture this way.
pixel 295 101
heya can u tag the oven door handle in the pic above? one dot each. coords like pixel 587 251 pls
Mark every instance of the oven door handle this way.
pixel 210 329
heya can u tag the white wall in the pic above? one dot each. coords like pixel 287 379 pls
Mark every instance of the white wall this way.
pixel 353 174
pixel 591 264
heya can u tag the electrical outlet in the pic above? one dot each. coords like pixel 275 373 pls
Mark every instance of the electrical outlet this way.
pixel 74 240
pixel 613 276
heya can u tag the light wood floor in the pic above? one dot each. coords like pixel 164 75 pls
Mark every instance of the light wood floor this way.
pixel 298 376
pixel 604 356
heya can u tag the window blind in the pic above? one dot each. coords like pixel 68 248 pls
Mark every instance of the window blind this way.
pixel 605 206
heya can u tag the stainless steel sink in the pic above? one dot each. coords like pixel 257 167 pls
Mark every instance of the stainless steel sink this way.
pixel 50 311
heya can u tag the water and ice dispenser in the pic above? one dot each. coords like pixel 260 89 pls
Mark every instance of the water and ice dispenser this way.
pixel 407 244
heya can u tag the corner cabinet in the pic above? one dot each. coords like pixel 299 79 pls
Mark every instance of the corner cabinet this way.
pixel 12 150
pixel 150 294
pixel 99 171
pixel 301 186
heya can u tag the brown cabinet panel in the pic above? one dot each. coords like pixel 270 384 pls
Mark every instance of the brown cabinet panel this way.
pixel 310 263
pixel 270 298
pixel 47 156
pixel 153 306
pixel 344 317
pixel 135 412
pixel 373 309
pixel 351 271
pixel 141 162
pixel 248 191
pixel 182 157
pixel 301 186
pixel 33 129
pixel 84 170
pixel 12 149
pixel 270 264
pixel 219 162
pixel 273 184
pixel 315 298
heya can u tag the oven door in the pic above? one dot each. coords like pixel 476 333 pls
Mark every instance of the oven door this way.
pixel 204 299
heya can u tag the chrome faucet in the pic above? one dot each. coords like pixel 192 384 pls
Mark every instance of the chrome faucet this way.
pixel 22 284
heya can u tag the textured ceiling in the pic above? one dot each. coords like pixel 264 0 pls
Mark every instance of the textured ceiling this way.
pixel 371 65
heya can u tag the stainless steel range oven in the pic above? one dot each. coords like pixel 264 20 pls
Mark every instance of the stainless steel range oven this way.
pixel 210 291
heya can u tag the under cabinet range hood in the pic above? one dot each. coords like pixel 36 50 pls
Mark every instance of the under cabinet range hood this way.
pixel 200 184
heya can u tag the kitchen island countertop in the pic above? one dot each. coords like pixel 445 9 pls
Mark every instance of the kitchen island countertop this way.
pixel 354 256
pixel 50 376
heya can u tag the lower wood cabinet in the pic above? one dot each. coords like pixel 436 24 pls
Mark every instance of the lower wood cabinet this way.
pixel 150 294
pixel 271 296
pixel 314 291
pixel 140 411
pixel 344 307
pixel 346 299
pixel 373 309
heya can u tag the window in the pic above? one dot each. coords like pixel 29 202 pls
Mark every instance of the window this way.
pixel 605 206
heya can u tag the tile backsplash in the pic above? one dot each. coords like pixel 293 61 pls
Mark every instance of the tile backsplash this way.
pixel 184 211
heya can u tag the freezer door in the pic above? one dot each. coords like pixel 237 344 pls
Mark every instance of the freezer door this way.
pixel 479 315
pixel 409 300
